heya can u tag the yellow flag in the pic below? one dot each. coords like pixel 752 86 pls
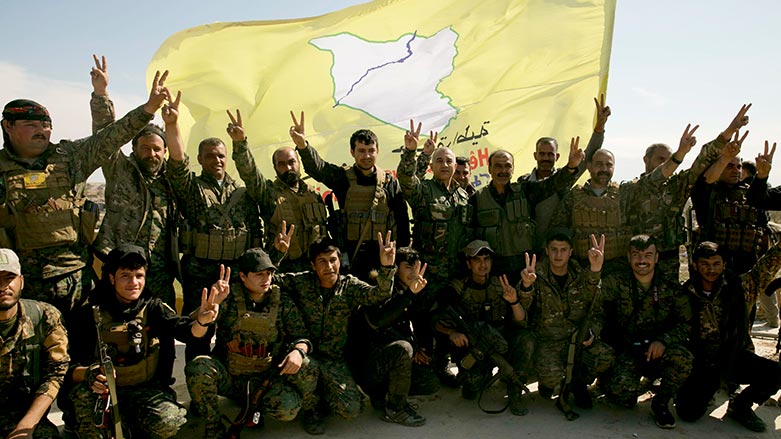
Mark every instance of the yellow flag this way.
pixel 485 75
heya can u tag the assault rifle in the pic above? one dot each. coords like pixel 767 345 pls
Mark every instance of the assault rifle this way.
pixel 107 407
pixel 486 344
pixel 250 415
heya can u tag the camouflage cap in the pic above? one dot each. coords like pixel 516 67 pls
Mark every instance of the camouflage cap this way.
pixel 255 260
pixel 10 262
pixel 474 247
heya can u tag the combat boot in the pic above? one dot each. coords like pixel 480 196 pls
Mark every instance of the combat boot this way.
pixel 517 404
pixel 312 422
pixel 215 430
pixel 406 415
pixel 745 416
pixel 661 412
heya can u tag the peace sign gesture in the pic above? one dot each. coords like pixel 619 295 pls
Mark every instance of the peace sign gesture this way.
pixel 528 275
pixel 687 140
pixel 765 161
pixel 236 127
pixel 596 254
pixel 158 93
pixel 412 137
pixel 210 308
pixel 282 241
pixel 431 143
pixel 509 293
pixel 603 112
pixel 576 155
pixel 222 286
pixel 739 121
pixel 297 133
pixel 420 282
pixel 99 76
pixel 170 113
pixel 387 249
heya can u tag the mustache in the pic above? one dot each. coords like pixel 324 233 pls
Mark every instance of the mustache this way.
pixel 603 173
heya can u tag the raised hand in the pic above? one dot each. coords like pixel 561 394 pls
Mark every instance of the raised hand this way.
pixel 387 249
pixel 223 285
pixel 99 76
pixel 739 121
pixel 420 282
pixel 576 155
pixel 284 237
pixel 431 143
pixel 528 275
pixel 596 254
pixel 170 113
pixel 765 161
pixel 297 132
pixel 509 293
pixel 603 112
pixel 209 309
pixel 158 94
pixel 412 137
pixel 687 141
pixel 235 127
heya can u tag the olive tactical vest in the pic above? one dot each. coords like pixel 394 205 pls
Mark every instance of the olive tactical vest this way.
pixel 599 215
pixel 443 225
pixel 509 230
pixel 134 353
pixel 221 242
pixel 255 333
pixel 735 225
pixel 367 205
pixel 486 304
pixel 304 209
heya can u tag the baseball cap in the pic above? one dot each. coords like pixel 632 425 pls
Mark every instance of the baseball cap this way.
pixel 474 247
pixel 254 260
pixel 10 262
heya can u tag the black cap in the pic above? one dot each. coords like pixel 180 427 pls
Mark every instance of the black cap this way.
pixel 25 109
pixel 126 255
pixel 255 260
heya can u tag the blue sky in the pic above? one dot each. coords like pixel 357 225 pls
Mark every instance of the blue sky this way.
pixel 672 63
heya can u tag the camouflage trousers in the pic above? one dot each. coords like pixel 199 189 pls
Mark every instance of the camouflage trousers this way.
pixel 160 279
pixel 145 411
pixel 44 430
pixel 387 370
pixel 674 367
pixel 520 356
pixel 337 387
pixel 207 377
pixel 550 359
pixel 66 292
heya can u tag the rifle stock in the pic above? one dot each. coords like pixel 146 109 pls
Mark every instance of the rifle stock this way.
pixel 108 404
pixel 251 408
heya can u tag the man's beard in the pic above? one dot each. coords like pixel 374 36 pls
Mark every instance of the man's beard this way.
pixel 151 165
pixel 290 178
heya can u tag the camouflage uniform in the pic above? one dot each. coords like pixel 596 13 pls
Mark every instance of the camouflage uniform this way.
pixel 484 303
pixel 208 376
pixel 140 210
pixel 38 336
pixel 390 213
pixel 56 271
pixel 660 214
pixel 546 209
pixel 278 201
pixel 149 407
pixel 586 213
pixel 556 313
pixel 442 220
pixel 325 314
pixel 721 343
pixel 663 314
pixel 506 222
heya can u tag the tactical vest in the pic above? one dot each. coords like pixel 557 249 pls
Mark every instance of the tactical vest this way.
pixel 660 217
pixel 735 225
pixel 41 207
pixel 221 242
pixel 599 215
pixel 135 354
pixel 367 206
pixel 509 230
pixel 443 222
pixel 306 210
pixel 485 305
pixel 255 333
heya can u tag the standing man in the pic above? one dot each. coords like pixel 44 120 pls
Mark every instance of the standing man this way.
pixel 546 154
pixel 260 335
pixel 720 340
pixel 326 299
pixel 503 210
pixel 222 220
pixel 140 203
pixel 370 200
pixel 41 191
pixel 33 357
pixel 286 199
pixel 653 315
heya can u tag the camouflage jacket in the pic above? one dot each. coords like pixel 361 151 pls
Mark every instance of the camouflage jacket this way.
pixel 663 313
pixel 84 156
pixel 443 225
pixel 660 213
pixel 140 210
pixel 18 386
pixel 556 313
pixel 290 324
pixel 480 302
pixel 326 312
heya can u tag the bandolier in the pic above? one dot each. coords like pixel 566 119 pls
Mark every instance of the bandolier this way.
pixel 367 206
pixel 509 230
pixel 305 209
pixel 135 354
pixel 599 215
pixel 253 336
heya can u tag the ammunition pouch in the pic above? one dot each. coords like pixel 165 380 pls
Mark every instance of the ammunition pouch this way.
pixel 216 245
pixel 239 365
pixel 142 371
